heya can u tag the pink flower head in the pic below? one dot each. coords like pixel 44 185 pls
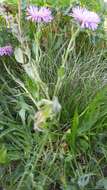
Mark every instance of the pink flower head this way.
pixel 36 14
pixel 86 18
pixel 6 50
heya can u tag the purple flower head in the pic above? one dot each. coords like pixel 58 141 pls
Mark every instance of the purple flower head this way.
pixel 8 18
pixel 86 18
pixel 36 14
pixel 6 50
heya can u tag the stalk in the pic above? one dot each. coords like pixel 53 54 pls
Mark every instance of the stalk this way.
pixel 19 14
pixel 65 57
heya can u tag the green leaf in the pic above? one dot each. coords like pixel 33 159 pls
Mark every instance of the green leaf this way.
pixel 24 4
pixel 29 71
pixel 74 129
pixel 56 107
pixel 19 55
pixel 3 155
pixel 61 72
pixel 102 183
pixel 95 111
pixel 84 180
pixel 22 113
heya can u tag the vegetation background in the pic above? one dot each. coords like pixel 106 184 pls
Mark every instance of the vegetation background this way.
pixel 70 150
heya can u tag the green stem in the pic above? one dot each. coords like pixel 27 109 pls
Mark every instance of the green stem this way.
pixel 57 87
pixel 19 15
pixel 37 41
pixel 69 49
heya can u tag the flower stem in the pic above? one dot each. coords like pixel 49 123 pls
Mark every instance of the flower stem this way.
pixel 65 57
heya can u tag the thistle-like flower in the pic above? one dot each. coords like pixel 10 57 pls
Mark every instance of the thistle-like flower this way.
pixel 86 19
pixel 6 50
pixel 39 15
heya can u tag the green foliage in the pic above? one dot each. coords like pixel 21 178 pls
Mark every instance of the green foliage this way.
pixel 19 55
pixel 74 129
pixel 3 155
pixel 53 102
pixel 95 112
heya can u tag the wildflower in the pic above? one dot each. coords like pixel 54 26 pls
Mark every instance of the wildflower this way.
pixel 8 18
pixel 39 15
pixel 86 18
pixel 6 50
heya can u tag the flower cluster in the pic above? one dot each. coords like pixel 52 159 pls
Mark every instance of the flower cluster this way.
pixel 39 15
pixel 86 19
pixel 6 50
